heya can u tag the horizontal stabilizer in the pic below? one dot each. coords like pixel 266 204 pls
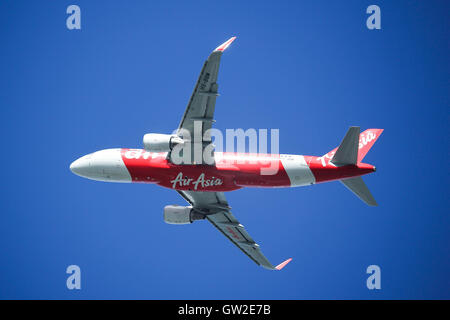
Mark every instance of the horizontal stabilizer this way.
pixel 347 153
pixel 359 188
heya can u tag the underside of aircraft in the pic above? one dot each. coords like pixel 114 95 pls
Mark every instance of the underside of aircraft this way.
pixel 172 161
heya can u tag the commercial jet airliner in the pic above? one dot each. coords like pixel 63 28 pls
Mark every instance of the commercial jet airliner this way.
pixel 203 185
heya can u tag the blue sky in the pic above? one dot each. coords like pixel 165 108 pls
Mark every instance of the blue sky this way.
pixel 308 68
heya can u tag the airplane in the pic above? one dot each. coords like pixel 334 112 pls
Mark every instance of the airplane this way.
pixel 203 185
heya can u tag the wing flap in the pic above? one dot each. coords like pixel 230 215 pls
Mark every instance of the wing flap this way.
pixel 199 114
pixel 221 217
pixel 239 236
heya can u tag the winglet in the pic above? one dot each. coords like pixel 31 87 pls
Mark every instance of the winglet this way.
pixel 225 45
pixel 283 264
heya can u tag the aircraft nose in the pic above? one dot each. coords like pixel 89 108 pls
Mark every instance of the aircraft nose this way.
pixel 80 167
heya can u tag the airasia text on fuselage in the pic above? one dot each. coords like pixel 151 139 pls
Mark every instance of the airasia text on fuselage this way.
pixel 181 181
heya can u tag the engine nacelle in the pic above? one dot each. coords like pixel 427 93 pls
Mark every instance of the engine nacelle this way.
pixel 181 215
pixel 156 142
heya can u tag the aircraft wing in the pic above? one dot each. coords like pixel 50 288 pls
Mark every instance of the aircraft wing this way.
pixel 199 113
pixel 217 211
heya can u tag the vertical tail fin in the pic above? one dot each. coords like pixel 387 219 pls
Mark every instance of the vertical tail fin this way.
pixel 352 150
pixel 347 153
pixel 354 146
pixel 366 141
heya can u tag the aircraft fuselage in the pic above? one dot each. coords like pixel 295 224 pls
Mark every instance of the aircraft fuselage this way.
pixel 231 171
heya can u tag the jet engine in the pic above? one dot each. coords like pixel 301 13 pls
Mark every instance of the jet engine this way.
pixel 181 215
pixel 156 142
